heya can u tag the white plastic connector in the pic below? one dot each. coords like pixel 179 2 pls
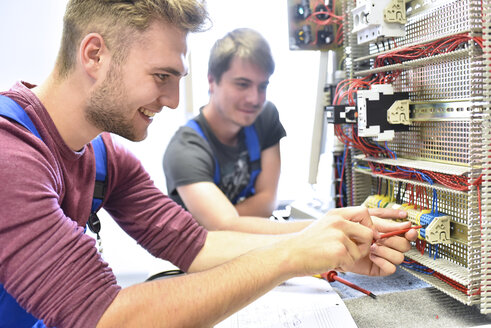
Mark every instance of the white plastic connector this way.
pixel 438 231
pixel 398 113
pixel 395 12
pixel 369 21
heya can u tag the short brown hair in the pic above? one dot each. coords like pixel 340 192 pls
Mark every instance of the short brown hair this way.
pixel 243 43
pixel 118 20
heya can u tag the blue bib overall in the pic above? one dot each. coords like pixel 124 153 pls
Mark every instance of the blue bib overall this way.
pixel 254 150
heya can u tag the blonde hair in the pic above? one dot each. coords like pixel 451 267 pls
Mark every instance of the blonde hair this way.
pixel 244 43
pixel 119 20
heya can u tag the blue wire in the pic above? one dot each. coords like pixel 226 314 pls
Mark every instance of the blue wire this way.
pixel 436 252
pixel 338 165
pixel 421 174
pixel 434 205
pixel 393 154
pixel 417 267
pixel 343 185
pixel 378 145
pixel 424 176
pixel 342 162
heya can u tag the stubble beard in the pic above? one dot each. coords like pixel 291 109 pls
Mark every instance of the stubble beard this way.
pixel 106 106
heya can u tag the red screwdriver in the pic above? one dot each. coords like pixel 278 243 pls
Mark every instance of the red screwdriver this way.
pixel 332 276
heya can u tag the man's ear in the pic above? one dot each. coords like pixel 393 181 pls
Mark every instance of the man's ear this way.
pixel 211 83
pixel 93 55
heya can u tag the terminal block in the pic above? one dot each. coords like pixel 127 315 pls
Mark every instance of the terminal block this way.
pixel 436 226
pixel 398 113
pixel 395 12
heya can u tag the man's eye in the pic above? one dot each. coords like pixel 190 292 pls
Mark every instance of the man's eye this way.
pixel 162 77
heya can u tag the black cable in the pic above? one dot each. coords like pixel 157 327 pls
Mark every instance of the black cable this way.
pixel 164 274
pixel 398 197
pixel 404 193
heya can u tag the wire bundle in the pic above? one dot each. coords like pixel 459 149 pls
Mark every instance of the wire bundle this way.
pixel 373 149
pixel 413 265
pixel 347 88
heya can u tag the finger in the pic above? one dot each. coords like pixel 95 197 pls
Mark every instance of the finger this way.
pixel 356 251
pixel 389 254
pixel 341 251
pixel 356 214
pixel 386 225
pixel 387 213
pixel 383 266
pixel 398 243
pixel 360 234
pixel 411 235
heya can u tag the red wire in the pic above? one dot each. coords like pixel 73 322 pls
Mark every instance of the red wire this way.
pixel 440 46
pixel 332 19
pixel 399 232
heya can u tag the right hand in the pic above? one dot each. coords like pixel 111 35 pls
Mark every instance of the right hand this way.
pixel 335 242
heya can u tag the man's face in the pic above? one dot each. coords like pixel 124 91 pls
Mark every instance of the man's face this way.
pixel 240 95
pixel 125 102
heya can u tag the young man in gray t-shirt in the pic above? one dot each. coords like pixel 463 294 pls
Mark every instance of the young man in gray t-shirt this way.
pixel 239 68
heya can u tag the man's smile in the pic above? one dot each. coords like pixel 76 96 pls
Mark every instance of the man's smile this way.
pixel 146 112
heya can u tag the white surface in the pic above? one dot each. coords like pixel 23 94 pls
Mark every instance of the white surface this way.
pixel 304 302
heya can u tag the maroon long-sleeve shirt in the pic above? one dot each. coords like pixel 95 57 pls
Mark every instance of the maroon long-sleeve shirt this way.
pixel 46 261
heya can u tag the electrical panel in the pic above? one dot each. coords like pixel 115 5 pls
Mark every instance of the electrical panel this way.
pixel 414 116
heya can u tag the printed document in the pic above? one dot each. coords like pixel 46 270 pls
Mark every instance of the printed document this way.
pixel 304 302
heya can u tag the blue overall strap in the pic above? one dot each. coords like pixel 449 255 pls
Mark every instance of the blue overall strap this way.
pixel 196 127
pixel 254 150
pixel 101 172
pixel 12 315
pixel 12 110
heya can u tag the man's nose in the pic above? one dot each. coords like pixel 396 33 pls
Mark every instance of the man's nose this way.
pixel 254 96
pixel 170 97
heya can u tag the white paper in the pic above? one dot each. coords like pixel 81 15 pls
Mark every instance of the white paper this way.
pixel 305 302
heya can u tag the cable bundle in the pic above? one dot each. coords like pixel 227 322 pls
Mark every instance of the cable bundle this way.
pixel 347 88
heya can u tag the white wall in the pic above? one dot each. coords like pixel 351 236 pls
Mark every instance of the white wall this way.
pixel 30 31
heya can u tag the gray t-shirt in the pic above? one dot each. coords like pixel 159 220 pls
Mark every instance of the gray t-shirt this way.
pixel 189 158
